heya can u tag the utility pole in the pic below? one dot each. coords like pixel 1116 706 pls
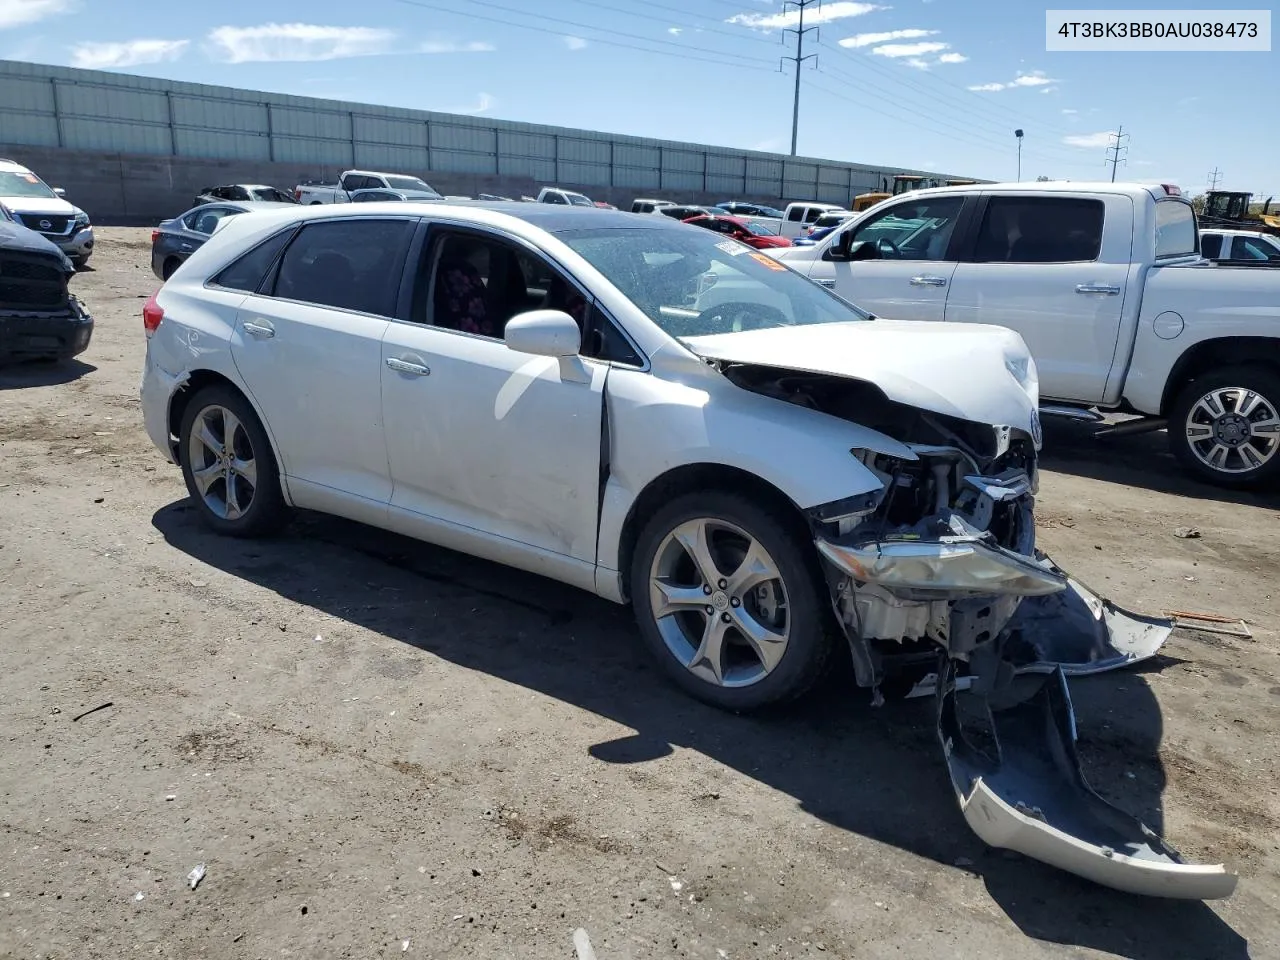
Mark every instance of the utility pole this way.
pixel 1114 151
pixel 1018 133
pixel 1214 176
pixel 798 59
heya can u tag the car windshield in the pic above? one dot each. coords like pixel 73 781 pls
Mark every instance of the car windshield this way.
pixel 409 183
pixel 24 185
pixel 694 283
pixel 769 212
pixel 578 200
pixel 758 229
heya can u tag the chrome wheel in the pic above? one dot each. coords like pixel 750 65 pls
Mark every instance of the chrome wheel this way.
pixel 1233 430
pixel 719 602
pixel 222 462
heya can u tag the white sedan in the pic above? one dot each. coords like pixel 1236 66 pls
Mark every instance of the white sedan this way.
pixel 766 478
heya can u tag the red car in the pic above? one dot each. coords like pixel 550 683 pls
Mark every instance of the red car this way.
pixel 741 229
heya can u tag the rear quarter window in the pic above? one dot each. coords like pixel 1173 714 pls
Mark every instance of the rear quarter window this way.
pixel 1175 229
pixel 248 272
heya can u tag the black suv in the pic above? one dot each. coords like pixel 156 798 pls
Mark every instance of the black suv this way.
pixel 39 318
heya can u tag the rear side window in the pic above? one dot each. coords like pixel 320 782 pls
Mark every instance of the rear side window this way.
pixel 795 213
pixel 1040 230
pixel 348 264
pixel 1175 229
pixel 1211 245
pixel 248 272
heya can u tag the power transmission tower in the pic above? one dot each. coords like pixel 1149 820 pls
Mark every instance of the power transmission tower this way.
pixel 800 30
pixel 1114 150
pixel 1214 176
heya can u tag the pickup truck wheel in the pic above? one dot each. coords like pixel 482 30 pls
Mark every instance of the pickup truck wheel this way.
pixel 731 602
pixel 1225 426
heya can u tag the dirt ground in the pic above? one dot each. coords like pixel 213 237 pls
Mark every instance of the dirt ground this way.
pixel 383 749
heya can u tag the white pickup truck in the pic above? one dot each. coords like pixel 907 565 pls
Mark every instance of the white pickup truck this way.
pixel 320 191
pixel 1106 284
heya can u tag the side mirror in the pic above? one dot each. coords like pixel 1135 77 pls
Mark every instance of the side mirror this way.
pixel 59 191
pixel 549 333
pixel 865 250
pixel 839 247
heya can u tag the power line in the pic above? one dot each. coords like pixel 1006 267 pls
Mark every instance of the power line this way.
pixel 1214 176
pixel 800 31
pixel 735 34
pixel 738 62
pixel 1113 151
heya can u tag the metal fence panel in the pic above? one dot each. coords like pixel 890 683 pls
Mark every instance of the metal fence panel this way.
pixel 584 151
pixel 838 175
pixel 93 101
pixel 215 143
pixel 726 166
pixel 636 155
pixel 80 134
pixel 400 133
pixel 513 144
pixel 26 129
pixel 452 136
pixel 35 96
pixel 758 169
pixel 315 152
pixel 642 178
pixel 760 187
pixel 680 180
pixel 385 156
pixel 533 167
pixel 726 185
pixel 683 160
pixel 226 116
pixel 290 122
pixel 454 161
pixel 593 174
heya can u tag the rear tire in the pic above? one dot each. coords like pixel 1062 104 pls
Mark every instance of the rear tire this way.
pixel 168 267
pixel 714 638
pixel 1225 427
pixel 229 466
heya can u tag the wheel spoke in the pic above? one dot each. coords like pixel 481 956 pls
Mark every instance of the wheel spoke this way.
pixel 1211 404
pixel 1217 456
pixel 768 645
pixel 669 598
pixel 1247 403
pixel 1251 456
pixel 693 537
pixel 756 568
pixel 710 654
pixel 230 427
pixel 248 469
pixel 206 476
pixel 1196 432
pixel 234 510
pixel 1270 425
pixel 207 439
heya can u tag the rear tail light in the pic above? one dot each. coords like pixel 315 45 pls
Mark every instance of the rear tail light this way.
pixel 1172 190
pixel 152 314
pixel 155 235
pixel 297 193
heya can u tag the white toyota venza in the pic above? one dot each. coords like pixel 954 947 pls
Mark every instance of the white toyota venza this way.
pixel 661 416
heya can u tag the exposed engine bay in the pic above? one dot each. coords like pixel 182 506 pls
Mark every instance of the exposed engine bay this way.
pixel 937 584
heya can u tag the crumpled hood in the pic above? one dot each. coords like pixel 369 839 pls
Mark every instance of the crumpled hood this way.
pixel 54 206
pixel 976 372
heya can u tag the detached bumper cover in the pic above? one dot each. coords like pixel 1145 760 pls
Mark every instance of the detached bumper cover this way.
pixel 1032 797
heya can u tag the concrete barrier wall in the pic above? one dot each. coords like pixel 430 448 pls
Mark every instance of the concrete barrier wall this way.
pixel 125 189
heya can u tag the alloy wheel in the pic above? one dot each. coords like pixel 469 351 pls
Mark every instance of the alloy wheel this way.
pixel 1233 430
pixel 719 602
pixel 222 462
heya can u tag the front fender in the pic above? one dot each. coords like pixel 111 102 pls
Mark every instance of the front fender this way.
pixel 657 425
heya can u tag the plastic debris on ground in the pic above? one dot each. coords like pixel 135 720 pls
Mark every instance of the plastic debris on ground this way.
pixel 196 875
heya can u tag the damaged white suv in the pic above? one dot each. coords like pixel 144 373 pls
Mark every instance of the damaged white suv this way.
pixel 659 415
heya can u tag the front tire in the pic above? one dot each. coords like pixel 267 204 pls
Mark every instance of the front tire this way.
pixel 229 466
pixel 1225 426
pixel 731 602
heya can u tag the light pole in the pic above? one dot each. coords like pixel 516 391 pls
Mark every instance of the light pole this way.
pixel 1018 134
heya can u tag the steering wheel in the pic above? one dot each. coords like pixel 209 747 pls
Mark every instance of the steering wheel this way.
pixel 886 245
pixel 736 316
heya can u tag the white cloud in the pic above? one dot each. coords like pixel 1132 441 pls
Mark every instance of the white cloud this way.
pixel 1048 89
pixel 448 46
pixel 1089 141
pixel 828 12
pixel 1035 78
pixel 1144 163
pixel 675 31
pixel 909 49
pixel 297 42
pixel 917 63
pixel 574 43
pixel 483 102
pixel 952 58
pixel 15 13
pixel 130 53
pixel 1070 112
pixel 871 39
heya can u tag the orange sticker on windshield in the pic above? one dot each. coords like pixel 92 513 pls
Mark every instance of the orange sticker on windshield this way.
pixel 768 261
pixel 30 178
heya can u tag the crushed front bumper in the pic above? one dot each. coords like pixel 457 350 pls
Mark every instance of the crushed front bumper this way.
pixel 1017 626
pixel 45 336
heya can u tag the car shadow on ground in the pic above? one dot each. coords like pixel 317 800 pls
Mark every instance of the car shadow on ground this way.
pixel 876 772
pixel 42 373
pixel 1142 461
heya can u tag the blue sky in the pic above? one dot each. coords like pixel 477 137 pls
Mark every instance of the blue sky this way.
pixel 934 84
